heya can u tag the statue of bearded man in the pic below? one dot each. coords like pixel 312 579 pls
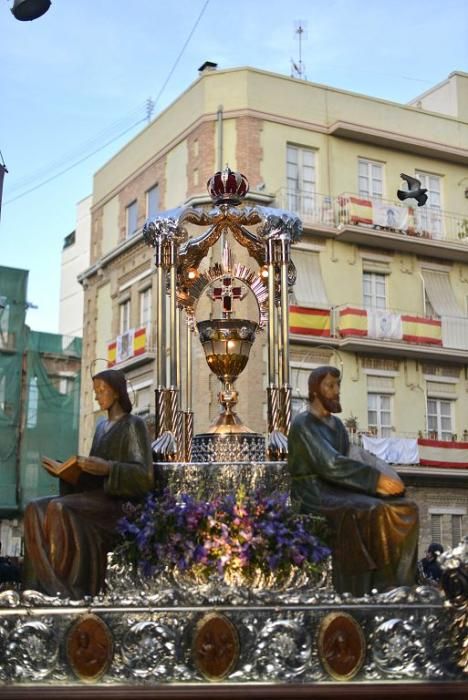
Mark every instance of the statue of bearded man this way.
pixel 375 528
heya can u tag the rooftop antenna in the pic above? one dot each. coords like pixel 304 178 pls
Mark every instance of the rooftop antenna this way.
pixel 298 67
pixel 150 105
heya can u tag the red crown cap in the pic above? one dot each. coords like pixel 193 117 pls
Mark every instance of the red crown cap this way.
pixel 227 187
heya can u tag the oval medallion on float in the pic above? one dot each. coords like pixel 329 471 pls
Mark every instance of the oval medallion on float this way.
pixel 341 646
pixel 215 647
pixel 90 648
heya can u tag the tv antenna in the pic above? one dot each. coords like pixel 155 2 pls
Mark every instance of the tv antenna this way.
pixel 150 105
pixel 298 67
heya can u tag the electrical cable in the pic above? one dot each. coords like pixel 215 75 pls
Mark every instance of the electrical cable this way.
pixel 176 62
pixel 75 152
pixel 89 155
pixel 73 165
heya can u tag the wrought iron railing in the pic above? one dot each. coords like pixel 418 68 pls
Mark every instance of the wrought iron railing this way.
pixel 379 214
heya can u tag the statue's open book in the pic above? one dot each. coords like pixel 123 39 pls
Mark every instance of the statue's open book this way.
pixel 68 471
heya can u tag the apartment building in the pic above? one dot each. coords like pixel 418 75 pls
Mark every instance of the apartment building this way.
pixel 382 284
pixel 75 258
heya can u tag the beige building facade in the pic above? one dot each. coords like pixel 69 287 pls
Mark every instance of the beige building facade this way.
pixel 382 288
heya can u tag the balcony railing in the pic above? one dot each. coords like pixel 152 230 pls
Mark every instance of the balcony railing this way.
pixel 422 451
pixel 378 214
pixel 132 344
pixel 351 321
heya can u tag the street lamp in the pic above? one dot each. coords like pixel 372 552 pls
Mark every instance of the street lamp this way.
pixel 27 10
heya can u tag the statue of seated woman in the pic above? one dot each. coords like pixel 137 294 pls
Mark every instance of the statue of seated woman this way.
pixel 375 529
pixel 67 538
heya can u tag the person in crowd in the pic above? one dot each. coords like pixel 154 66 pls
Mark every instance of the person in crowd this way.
pixel 429 570
pixel 9 572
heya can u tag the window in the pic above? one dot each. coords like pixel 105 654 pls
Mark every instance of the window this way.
pixel 436 527
pixel 379 414
pixel 152 202
pixel 4 321
pixel 2 392
pixel 63 383
pixel 300 388
pixel 374 290
pixel 132 218
pixel 125 316
pixel 429 216
pixel 33 401
pixel 145 307
pixel 300 179
pixel 309 289
pixel 457 529
pixel 440 419
pixel 370 178
pixel 143 398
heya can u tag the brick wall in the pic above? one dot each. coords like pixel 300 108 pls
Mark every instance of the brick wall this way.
pixel 201 162
pixel 249 150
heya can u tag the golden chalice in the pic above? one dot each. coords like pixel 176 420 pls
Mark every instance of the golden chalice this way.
pixel 227 343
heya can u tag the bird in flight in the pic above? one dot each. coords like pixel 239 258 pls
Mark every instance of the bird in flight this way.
pixel 414 190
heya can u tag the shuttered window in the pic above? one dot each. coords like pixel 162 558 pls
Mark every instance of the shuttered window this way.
pixel 309 289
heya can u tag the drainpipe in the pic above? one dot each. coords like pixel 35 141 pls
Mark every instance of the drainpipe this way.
pixel 219 129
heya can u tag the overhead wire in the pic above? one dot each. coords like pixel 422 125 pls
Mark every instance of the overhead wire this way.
pixel 77 151
pixel 90 142
pixel 73 165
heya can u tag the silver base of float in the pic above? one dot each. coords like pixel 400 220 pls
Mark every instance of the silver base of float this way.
pixel 234 447
pixel 156 633
pixel 208 479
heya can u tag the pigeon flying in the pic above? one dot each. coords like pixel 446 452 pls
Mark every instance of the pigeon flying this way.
pixel 414 190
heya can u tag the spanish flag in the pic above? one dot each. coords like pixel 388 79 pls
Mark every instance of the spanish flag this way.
pixel 112 353
pixel 353 321
pixel 305 321
pixel 139 341
pixel 416 329
pixel 360 210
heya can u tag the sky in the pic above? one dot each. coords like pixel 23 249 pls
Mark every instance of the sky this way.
pixel 74 86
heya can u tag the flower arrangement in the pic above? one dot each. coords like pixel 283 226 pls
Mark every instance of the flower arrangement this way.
pixel 236 538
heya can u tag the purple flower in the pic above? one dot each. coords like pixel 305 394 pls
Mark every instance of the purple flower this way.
pixel 249 532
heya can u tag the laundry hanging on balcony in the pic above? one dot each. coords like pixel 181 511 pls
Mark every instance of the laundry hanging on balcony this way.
pixel 392 449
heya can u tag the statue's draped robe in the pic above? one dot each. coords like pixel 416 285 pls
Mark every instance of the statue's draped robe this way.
pixel 68 537
pixel 375 538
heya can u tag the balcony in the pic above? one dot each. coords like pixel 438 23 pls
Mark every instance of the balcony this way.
pixel 130 349
pixel 421 457
pixel 381 223
pixel 382 331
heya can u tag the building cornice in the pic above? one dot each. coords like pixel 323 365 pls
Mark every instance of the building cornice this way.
pixel 109 257
pixel 398 141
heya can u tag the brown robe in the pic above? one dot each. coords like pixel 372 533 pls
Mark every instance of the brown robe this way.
pixel 375 537
pixel 68 537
